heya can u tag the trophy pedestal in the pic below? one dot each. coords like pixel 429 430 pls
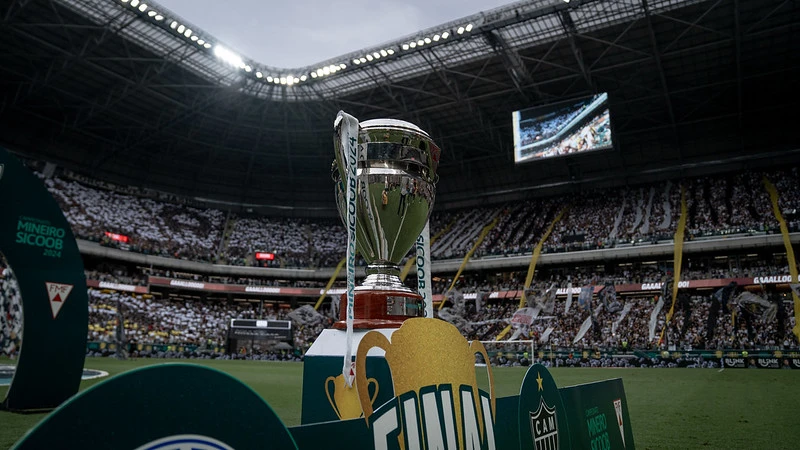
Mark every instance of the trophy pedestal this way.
pixel 379 309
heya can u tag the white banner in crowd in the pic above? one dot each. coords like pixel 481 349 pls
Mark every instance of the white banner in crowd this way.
pixel 654 318
pixel 569 298
pixel 621 317
pixel 584 328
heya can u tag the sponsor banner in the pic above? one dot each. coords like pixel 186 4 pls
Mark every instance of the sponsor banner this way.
pixel 117 286
pixel 734 363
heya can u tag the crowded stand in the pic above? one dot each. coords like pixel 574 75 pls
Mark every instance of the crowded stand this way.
pixel 10 312
pixel 717 206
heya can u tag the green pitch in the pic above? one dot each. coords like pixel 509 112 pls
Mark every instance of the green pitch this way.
pixel 670 408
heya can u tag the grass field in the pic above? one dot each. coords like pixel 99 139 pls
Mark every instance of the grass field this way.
pixel 669 408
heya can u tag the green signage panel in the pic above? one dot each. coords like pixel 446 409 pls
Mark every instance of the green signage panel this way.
pixel 167 406
pixel 39 246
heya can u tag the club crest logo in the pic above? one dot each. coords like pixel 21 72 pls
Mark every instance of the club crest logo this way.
pixel 186 442
pixel 544 427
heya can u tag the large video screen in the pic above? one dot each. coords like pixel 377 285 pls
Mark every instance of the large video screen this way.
pixel 564 128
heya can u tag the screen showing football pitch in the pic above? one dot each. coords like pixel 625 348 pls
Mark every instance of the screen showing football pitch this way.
pixel 564 128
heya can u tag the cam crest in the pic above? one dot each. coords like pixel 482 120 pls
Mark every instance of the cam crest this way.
pixel 544 427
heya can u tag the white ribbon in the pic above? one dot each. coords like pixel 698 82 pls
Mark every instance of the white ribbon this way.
pixel 424 269
pixel 349 143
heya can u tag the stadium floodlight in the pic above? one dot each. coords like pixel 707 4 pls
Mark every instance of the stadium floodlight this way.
pixel 188 32
pixel 159 17
pixel 468 27
pixel 289 80
pixel 343 66
pixel 320 72
pixel 370 58
pixel 248 69
pixel 390 51
pixel 384 53
pixel 326 70
pixel 228 56
pixel 151 13
pixel 276 80
pixel 194 38
pixel 134 3
pixel 420 42
pixel 362 59
pixel 412 44
pixel 269 79
pixel 283 80
pixel 181 29
pixel 207 45
pixel 173 25
pixel 313 74
pixel 259 75
pixel 143 7
pixel 303 78
pixel 296 80
pixel 436 37
pixel 356 62
pixel 445 35
pixel 460 30
pixel 405 46
pixel 334 68
pixel 124 1
pixel 200 42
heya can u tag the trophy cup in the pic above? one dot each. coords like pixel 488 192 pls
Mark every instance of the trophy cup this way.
pixel 396 174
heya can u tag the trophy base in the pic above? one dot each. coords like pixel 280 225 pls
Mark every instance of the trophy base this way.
pixel 379 309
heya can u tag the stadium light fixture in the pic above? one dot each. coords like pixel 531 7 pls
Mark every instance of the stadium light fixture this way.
pixel 326 71
pixel 134 3
pixel 248 69
pixel 173 25
pixel 194 38
pixel 313 74
pixel 362 59
pixel 200 42
pixel 445 35
pixel 269 79
pixel 384 53
pixel 228 56
pixel 276 80
pixel 460 30
pixel 420 42
pixel 151 13
pixel 356 62
pixel 207 45
pixel 181 29
pixel 390 51
pixel 343 66
pixel 159 17
pixel 303 78
pixel 412 44
pixel 283 80
pixel 259 75
pixel 143 7
pixel 124 1
pixel 468 27
pixel 405 47
pixel 427 40
pixel 376 55
pixel 436 37
pixel 369 58
pixel 188 32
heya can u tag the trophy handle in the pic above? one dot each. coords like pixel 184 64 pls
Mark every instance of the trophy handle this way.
pixel 477 347
pixel 371 339
pixel 328 394
pixel 375 395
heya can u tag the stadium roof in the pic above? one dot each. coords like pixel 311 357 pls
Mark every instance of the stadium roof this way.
pixel 130 92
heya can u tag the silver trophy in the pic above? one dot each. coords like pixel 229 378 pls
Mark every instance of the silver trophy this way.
pixel 396 175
